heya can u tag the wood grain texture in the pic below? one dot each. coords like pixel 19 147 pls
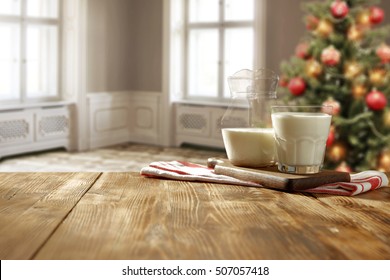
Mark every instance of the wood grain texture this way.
pixel 126 216
pixel 32 206
pixel 369 211
pixel 123 216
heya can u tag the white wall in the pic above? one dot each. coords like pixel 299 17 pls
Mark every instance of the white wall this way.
pixel 124 45
pixel 124 61
pixel 147 38
pixel 110 45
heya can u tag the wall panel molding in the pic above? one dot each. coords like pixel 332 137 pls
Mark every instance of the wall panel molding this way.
pixel 146 113
pixel 108 120
pixel 123 116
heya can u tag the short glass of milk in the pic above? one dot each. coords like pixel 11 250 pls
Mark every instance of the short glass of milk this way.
pixel 300 137
pixel 249 147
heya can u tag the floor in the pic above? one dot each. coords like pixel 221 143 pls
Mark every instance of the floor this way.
pixel 119 158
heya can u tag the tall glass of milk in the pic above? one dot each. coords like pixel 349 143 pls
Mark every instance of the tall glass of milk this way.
pixel 246 125
pixel 300 137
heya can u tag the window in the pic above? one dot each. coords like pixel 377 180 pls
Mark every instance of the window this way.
pixel 29 53
pixel 211 40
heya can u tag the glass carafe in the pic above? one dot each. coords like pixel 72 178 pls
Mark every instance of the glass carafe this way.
pixel 252 94
pixel 246 125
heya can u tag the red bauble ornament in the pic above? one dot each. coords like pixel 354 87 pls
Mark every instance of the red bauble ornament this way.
pixel 301 50
pixel 376 100
pixel 339 9
pixel 311 22
pixel 331 137
pixel 336 107
pixel 297 86
pixel 330 56
pixel 383 52
pixel 283 82
pixel 376 15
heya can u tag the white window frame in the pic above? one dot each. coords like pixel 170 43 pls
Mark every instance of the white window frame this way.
pixel 24 21
pixel 175 54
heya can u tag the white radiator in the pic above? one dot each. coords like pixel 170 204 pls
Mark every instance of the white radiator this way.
pixel 34 129
pixel 200 124
pixel 52 123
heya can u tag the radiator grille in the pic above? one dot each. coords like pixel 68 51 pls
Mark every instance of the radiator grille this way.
pixel 54 125
pixel 193 121
pixel 13 130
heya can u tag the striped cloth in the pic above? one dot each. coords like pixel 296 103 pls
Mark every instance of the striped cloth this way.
pixel 186 171
pixel 360 182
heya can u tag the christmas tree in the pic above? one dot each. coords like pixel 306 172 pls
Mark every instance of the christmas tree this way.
pixel 344 61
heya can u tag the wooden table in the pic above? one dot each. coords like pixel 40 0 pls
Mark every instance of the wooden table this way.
pixel 126 216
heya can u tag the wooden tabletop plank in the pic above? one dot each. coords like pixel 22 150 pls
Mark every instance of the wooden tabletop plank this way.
pixel 370 211
pixel 32 205
pixel 123 216
pixel 126 216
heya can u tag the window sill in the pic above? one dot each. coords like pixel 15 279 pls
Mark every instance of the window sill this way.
pixel 213 103
pixel 14 107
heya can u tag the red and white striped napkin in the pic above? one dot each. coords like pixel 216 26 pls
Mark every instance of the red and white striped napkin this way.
pixel 360 182
pixel 186 171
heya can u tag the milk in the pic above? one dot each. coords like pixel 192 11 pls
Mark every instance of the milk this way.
pixel 300 138
pixel 249 147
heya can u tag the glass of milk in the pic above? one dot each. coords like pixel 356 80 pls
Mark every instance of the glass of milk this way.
pixel 300 137
pixel 249 147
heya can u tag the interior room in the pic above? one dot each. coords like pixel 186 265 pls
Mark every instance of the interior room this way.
pixel 143 130
pixel 119 76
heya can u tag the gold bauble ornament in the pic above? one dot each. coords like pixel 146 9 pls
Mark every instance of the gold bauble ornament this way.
pixel 352 69
pixel 354 33
pixel 377 76
pixel 313 68
pixel 359 91
pixel 363 18
pixel 384 161
pixel 386 118
pixel 337 152
pixel 324 28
